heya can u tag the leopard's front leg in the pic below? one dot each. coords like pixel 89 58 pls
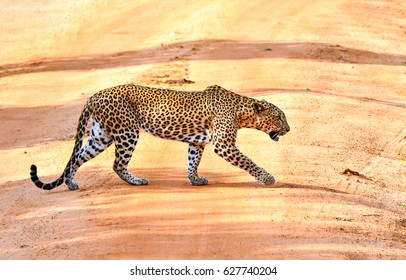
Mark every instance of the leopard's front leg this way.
pixel 234 156
pixel 224 138
pixel 195 153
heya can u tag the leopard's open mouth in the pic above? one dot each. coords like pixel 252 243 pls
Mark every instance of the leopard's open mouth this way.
pixel 274 135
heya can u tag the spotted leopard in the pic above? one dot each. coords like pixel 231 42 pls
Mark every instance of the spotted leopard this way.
pixel 210 116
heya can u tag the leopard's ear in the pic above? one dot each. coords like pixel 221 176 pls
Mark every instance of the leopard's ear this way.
pixel 259 108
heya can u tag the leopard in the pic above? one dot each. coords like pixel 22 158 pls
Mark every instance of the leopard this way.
pixel 214 115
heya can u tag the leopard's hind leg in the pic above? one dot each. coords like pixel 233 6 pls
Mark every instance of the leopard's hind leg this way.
pixel 125 145
pixel 98 141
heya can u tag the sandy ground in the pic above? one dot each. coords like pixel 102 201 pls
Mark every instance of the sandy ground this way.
pixel 337 69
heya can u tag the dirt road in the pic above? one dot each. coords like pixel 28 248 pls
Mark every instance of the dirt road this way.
pixel 336 68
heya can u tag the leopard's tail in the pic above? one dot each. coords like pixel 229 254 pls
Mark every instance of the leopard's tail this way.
pixel 80 134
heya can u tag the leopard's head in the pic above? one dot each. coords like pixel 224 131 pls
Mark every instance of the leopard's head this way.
pixel 270 119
